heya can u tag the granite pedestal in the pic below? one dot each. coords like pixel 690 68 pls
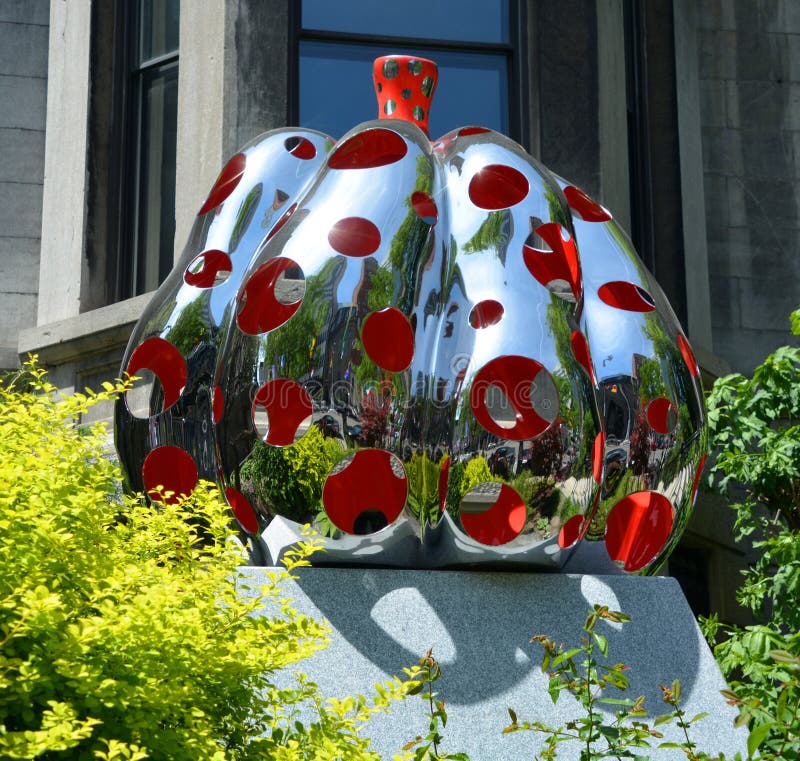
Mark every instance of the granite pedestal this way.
pixel 479 625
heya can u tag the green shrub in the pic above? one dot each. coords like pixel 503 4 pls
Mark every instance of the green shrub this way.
pixel 755 436
pixel 290 479
pixel 476 472
pixel 125 629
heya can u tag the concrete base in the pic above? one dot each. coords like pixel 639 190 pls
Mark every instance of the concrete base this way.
pixel 479 626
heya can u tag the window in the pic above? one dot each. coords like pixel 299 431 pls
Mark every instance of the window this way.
pixel 148 112
pixel 475 44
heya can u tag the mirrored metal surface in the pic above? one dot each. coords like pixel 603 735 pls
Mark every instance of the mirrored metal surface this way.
pixel 461 354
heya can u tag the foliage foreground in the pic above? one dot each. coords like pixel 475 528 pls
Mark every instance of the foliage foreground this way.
pixel 125 630
pixel 755 431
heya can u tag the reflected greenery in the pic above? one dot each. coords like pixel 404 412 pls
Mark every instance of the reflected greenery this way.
pixel 288 481
pixel 494 234
pixel 192 326
pixel 292 346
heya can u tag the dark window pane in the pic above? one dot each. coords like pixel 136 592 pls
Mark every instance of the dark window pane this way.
pixel 464 21
pixel 336 90
pixel 158 28
pixel 155 230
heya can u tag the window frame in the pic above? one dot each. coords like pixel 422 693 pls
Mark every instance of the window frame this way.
pixel 125 197
pixel 515 51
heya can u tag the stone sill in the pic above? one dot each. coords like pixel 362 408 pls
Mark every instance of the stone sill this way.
pixel 85 334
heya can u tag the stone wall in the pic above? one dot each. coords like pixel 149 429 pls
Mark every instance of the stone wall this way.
pixel 749 64
pixel 24 29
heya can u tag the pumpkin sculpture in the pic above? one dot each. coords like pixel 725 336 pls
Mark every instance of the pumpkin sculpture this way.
pixel 503 376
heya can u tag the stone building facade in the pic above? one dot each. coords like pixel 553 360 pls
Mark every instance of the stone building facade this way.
pixel 683 117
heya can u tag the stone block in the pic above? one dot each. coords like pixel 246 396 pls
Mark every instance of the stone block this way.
pixel 767 302
pixel 20 210
pixel 716 50
pixel 725 306
pixel 25 11
pixel 479 626
pixel 767 153
pixel 24 100
pixel 760 56
pixel 23 49
pixel 737 206
pixel 19 311
pixel 787 19
pixel 713 103
pixel 793 55
pixel 764 105
pixel 766 251
pixel 716 15
pixel 732 104
pixel 770 202
pixel 722 152
pixel 752 252
pixel 715 193
pixel 23 156
pixel 19 264
pixel 744 349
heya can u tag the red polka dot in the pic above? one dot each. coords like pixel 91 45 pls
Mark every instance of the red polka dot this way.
pixel 261 304
pixel 287 404
pixel 486 313
pixel 498 524
pixel 513 378
pixel 688 356
pixel 367 483
pixel 662 415
pixel 243 510
pixel 217 404
pixel 598 456
pixel 580 348
pixel 172 469
pixel 444 475
pixel 354 236
pixel 300 147
pixel 697 476
pixel 369 149
pixel 208 269
pixel 466 131
pixel 425 207
pixel 226 183
pixel 388 339
pixel 628 296
pixel 587 209
pixel 284 218
pixel 570 532
pixel 497 186
pixel 165 362
pixel 637 529
pixel 559 264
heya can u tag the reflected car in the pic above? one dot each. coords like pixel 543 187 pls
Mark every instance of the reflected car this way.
pixel 501 462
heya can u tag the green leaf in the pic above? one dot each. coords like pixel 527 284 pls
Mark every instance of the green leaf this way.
pixel 757 736
pixel 601 641
pixel 782 656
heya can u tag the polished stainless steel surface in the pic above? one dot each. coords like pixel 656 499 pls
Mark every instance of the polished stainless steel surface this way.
pixel 499 375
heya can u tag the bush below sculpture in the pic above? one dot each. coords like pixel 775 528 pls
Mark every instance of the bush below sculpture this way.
pixel 124 633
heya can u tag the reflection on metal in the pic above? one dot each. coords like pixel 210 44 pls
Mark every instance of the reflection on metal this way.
pixel 499 375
